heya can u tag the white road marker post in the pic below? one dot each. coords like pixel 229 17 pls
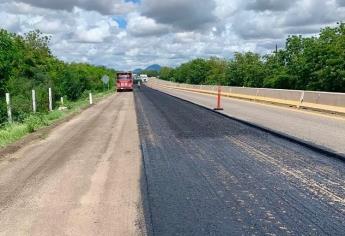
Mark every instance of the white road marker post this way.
pixel 257 94
pixel 61 101
pixel 301 100
pixel 50 99
pixel 90 98
pixel 9 110
pixel 33 92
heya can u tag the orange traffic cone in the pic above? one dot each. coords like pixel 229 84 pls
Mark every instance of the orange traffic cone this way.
pixel 218 108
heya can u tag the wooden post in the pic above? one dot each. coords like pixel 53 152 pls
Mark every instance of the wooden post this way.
pixel 9 111
pixel 90 98
pixel 50 100
pixel 33 92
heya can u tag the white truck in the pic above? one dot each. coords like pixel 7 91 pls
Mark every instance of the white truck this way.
pixel 144 78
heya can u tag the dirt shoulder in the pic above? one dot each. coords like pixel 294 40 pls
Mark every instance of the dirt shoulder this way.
pixel 82 179
pixel 42 132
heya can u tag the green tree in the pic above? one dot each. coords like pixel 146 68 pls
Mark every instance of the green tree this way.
pixel 246 69
pixel 26 63
pixel 216 73
pixel 166 73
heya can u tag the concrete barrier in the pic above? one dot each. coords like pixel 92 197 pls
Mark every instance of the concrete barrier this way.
pixel 322 101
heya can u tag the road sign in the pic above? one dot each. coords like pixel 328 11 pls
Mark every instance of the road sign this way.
pixel 105 79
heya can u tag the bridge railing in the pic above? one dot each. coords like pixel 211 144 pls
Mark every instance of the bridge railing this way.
pixel 323 101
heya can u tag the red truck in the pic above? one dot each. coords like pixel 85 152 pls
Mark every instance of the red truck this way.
pixel 124 81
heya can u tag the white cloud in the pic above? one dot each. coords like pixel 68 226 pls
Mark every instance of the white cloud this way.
pixel 181 14
pixel 341 3
pixel 269 5
pixel 187 37
pixel 166 32
pixel 102 6
pixel 143 26
pixel 93 35
pixel 256 25
pixel 50 26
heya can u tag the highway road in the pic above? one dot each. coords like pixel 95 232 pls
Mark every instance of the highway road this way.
pixel 211 175
pixel 83 179
pixel 327 131
pixel 146 163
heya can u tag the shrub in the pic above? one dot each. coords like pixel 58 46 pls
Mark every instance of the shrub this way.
pixel 33 122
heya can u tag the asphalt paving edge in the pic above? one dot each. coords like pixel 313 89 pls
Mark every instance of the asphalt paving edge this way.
pixel 304 143
pixel 146 191
pixel 144 187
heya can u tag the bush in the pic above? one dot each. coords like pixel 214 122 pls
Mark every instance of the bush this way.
pixel 54 115
pixel 34 122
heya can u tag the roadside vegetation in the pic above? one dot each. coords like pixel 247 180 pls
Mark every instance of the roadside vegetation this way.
pixel 26 63
pixel 10 133
pixel 306 63
pixel 150 73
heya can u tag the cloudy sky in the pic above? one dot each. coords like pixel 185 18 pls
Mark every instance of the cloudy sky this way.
pixel 127 34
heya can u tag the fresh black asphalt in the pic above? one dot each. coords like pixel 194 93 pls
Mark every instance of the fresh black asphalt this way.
pixel 205 174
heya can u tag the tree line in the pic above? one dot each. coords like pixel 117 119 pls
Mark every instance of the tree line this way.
pixel 26 63
pixel 306 63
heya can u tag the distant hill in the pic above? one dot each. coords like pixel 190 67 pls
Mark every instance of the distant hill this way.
pixel 137 71
pixel 154 67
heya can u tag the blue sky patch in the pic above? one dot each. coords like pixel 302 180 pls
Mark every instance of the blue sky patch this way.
pixel 135 1
pixel 121 21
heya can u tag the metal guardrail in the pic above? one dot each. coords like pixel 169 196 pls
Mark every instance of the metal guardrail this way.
pixel 323 101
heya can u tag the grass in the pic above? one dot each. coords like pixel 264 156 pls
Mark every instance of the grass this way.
pixel 10 133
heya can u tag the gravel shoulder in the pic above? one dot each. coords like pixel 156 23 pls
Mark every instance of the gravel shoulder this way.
pixel 83 179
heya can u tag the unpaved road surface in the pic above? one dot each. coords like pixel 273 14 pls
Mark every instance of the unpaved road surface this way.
pixel 210 175
pixel 83 179
pixel 322 130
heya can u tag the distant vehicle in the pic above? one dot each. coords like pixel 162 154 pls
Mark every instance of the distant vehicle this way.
pixel 137 79
pixel 144 78
pixel 124 81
